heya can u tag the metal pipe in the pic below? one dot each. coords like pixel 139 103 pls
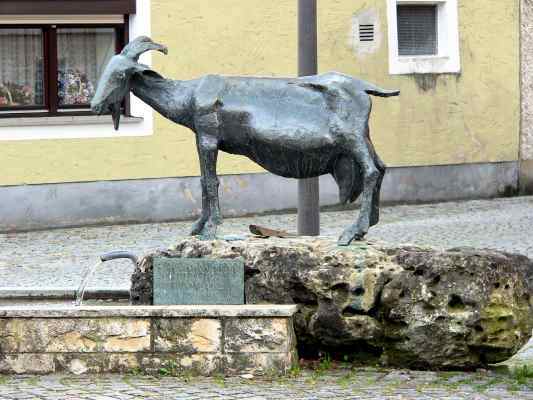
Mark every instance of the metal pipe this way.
pixel 115 255
pixel 308 189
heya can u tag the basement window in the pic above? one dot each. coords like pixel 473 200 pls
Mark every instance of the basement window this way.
pixel 423 36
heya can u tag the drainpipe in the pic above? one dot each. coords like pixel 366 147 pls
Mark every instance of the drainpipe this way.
pixel 308 189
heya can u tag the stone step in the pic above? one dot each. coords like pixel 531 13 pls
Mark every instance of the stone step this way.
pixel 61 293
pixel 203 340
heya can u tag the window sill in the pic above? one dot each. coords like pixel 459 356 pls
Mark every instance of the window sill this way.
pixel 66 120
pixel 408 65
pixel 422 58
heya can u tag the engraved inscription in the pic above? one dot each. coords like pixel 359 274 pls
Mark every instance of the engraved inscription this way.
pixel 198 281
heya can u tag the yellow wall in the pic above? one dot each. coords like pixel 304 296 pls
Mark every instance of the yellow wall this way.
pixel 472 117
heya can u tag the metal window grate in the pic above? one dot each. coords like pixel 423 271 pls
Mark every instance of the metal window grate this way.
pixel 366 33
pixel 417 30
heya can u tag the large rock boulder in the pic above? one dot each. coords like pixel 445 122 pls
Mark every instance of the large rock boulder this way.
pixel 407 306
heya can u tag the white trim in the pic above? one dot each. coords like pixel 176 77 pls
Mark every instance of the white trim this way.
pixel 66 120
pixel 448 59
pixel 139 25
pixel 74 130
pixel 61 19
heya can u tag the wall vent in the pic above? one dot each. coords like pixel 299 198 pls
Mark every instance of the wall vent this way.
pixel 366 33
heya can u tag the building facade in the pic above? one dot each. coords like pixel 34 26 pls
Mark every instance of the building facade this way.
pixel 454 133
pixel 526 75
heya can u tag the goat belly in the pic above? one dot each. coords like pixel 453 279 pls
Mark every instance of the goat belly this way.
pixel 290 163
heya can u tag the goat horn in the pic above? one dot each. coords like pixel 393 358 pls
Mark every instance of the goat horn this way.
pixel 139 45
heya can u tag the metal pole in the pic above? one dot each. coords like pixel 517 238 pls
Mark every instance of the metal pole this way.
pixel 308 189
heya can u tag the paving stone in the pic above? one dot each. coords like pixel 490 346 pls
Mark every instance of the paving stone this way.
pixel 57 258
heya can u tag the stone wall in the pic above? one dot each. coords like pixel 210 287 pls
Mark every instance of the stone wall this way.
pixel 190 340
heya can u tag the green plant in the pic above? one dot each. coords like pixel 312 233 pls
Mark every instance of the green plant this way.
pixel 272 375
pixel 169 368
pixel 127 380
pixel 345 380
pixel 494 381
pixel 523 375
pixel 324 364
pixel 311 380
pixel 295 371
pixel 220 380
pixel 32 381
pixel 513 388
pixel 187 376
pixel 136 371
pixel 346 362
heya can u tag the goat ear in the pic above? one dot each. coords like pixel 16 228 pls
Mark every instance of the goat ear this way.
pixel 145 70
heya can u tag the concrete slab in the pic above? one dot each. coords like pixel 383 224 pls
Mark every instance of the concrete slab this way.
pixel 194 311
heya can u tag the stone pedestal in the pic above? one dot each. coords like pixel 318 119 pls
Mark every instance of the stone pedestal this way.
pixel 203 340
pixel 404 306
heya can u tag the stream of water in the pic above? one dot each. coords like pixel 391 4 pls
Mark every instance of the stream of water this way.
pixel 89 272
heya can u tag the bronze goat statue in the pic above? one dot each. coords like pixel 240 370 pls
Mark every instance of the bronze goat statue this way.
pixel 293 127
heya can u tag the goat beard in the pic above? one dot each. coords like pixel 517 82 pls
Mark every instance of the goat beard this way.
pixel 115 113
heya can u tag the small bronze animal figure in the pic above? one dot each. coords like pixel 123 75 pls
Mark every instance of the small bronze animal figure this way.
pixel 293 127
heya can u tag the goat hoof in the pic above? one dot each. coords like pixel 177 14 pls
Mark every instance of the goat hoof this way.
pixel 198 226
pixel 349 236
pixel 209 231
pixel 343 241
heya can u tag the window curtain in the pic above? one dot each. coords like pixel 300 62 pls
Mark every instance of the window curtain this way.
pixel 21 67
pixel 83 53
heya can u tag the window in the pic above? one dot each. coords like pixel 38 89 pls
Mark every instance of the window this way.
pixel 423 36
pixel 53 69
pixel 21 68
pixel 55 53
pixel 417 30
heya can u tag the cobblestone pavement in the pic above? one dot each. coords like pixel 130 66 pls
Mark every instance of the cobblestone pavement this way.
pixel 57 258
pixel 332 385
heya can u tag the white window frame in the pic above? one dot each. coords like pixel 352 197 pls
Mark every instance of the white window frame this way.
pixel 40 128
pixel 448 59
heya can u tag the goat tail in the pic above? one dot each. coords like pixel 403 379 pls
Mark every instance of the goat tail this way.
pixel 377 91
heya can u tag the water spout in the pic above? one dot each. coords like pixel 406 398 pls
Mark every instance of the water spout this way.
pixel 114 255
